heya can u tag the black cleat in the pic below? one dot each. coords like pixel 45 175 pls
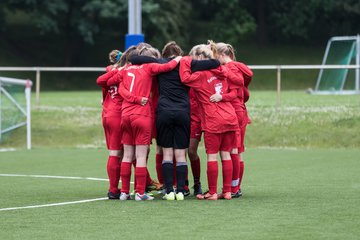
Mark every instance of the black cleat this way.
pixel 197 189
pixel 113 196
pixel 237 194
pixel 186 192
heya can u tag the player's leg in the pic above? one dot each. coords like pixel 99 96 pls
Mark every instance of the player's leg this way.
pixel 142 131
pixel 195 137
pixel 113 141
pixel 181 141
pixel 168 171
pixel 129 152
pixel 228 143
pixel 212 146
pixel 181 170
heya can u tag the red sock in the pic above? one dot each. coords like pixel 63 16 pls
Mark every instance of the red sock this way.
pixel 140 175
pixel 113 171
pixel 159 159
pixel 174 174
pixel 227 169
pixel 242 166
pixel 235 174
pixel 212 176
pixel 125 177
pixel 148 178
pixel 195 168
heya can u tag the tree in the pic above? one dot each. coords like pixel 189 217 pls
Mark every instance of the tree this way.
pixel 77 22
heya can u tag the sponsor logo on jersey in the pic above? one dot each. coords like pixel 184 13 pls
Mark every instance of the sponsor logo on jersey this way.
pixel 211 79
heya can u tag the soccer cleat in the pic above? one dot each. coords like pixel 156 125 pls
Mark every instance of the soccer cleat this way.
pixel 154 185
pixel 186 191
pixel 226 195
pixel 124 196
pixel 169 196
pixel 197 189
pixel 209 196
pixel 237 194
pixel 143 197
pixel 179 196
pixel 113 196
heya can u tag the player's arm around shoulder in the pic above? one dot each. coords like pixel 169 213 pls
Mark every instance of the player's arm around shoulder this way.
pixel 156 68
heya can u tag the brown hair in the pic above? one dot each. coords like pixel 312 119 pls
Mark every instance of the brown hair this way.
pixel 150 52
pixel 226 49
pixel 143 44
pixel 131 51
pixel 171 49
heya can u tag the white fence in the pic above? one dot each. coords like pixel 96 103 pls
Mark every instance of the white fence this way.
pixel 278 69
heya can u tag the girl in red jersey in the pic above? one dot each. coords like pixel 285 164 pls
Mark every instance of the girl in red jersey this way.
pixel 218 120
pixel 111 119
pixel 226 56
pixel 137 121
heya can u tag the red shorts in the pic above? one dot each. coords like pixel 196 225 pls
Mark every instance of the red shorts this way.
pixel 136 130
pixel 112 129
pixel 195 130
pixel 215 142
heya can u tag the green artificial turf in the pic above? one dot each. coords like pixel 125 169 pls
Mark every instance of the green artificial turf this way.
pixel 288 194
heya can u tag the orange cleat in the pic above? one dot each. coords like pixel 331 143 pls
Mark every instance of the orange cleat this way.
pixel 226 195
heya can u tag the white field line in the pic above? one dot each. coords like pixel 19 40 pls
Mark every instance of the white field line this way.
pixel 7 149
pixel 53 204
pixel 56 177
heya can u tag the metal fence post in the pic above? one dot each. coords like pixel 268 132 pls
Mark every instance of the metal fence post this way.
pixel 278 88
pixel 37 87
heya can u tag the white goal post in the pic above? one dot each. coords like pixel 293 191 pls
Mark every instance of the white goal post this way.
pixel 22 110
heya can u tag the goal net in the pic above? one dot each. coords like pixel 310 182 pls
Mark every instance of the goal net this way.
pixel 340 51
pixel 15 107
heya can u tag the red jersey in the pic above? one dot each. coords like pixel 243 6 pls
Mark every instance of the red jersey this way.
pixel 194 106
pixel 137 80
pixel 215 117
pixel 112 101
pixel 241 69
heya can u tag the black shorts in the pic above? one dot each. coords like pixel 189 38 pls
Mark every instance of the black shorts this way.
pixel 173 129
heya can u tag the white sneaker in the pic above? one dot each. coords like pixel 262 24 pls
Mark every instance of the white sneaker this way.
pixel 179 196
pixel 169 196
pixel 124 196
pixel 143 197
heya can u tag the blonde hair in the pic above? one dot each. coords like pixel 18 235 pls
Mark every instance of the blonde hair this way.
pixel 227 49
pixel 207 51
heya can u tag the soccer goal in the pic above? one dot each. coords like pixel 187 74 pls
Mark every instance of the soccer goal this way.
pixel 340 51
pixel 15 106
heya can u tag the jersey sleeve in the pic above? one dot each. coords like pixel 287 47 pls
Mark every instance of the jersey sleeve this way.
pixel 102 79
pixel 137 60
pixel 235 76
pixel 200 65
pixel 248 74
pixel 186 76
pixel 156 68
pixel 126 94
pixel 228 97
pixel 115 79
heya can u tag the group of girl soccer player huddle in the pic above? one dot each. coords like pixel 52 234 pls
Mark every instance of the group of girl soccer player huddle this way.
pixel 174 99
